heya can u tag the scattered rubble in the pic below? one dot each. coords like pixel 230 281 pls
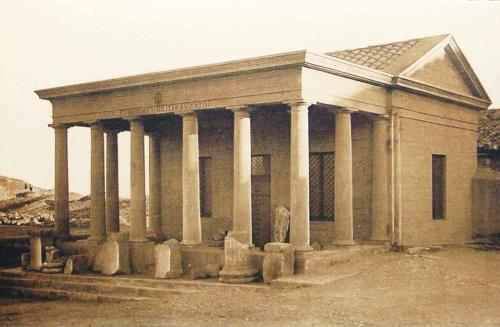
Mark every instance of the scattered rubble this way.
pixel 23 219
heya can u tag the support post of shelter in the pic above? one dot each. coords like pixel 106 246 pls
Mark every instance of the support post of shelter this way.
pixel 61 192
pixel 191 220
pixel 299 177
pixel 343 207
pixel 97 204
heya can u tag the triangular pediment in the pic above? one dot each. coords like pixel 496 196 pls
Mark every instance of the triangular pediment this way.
pixel 446 68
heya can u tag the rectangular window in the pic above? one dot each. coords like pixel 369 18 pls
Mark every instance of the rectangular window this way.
pixel 261 165
pixel 321 185
pixel 206 187
pixel 438 186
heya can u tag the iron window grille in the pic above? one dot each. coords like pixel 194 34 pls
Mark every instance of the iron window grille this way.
pixel 321 186
pixel 438 186
pixel 206 187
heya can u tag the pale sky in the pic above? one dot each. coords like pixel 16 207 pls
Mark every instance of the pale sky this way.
pixel 54 43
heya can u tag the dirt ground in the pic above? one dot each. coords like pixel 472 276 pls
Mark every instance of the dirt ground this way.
pixel 452 287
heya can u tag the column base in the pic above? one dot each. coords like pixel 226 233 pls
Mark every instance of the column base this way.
pixel 191 243
pixel 343 242
pixel 142 257
pixel 238 276
pixel 95 239
pixel 303 248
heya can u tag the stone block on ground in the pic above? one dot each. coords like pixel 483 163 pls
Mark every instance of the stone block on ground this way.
pixel 279 261
pixel 76 264
pixel 198 272
pixel 168 260
pixel 142 257
pixel 112 258
pixel 213 270
pixel 237 267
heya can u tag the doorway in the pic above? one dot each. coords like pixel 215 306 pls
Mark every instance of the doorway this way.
pixel 261 199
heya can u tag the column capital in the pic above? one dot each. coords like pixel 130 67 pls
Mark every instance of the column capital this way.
pixel 112 130
pixel 344 110
pixel 298 105
pixel 133 118
pixel 241 111
pixel 381 118
pixel 95 123
pixel 188 114
pixel 60 126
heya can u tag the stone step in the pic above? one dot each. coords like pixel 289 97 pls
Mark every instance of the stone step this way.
pixel 318 262
pixel 130 281
pixel 94 288
pixel 302 280
pixel 52 294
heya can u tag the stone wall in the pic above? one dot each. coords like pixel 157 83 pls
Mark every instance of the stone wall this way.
pixel 486 203
pixel 434 127
pixel 270 135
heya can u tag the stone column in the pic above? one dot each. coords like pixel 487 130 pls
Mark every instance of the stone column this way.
pixel 242 190
pixel 191 221
pixel 61 192
pixel 112 191
pixel 155 185
pixel 299 177
pixel 343 225
pixel 97 205
pixel 137 182
pixel 380 215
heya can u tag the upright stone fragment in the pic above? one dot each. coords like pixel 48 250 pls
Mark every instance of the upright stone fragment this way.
pixel 168 259
pixel 113 256
pixel 282 223
pixel 76 264
pixel 51 254
pixel 25 260
pixel 237 268
pixel 279 261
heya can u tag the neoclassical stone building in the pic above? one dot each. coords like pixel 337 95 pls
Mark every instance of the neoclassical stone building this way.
pixel 377 143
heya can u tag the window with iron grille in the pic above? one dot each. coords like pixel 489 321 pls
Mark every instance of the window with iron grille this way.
pixel 321 185
pixel 438 186
pixel 261 165
pixel 206 187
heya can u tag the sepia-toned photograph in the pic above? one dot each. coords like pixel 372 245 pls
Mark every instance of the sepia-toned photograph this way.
pixel 258 163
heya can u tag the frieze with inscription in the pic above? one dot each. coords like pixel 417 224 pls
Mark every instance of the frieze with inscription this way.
pixel 143 111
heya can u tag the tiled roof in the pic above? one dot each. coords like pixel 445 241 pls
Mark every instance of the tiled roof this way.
pixel 377 57
pixel 390 57
pixel 489 130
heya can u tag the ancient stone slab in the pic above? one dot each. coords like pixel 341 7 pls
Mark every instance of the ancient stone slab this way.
pixel 76 264
pixel 168 259
pixel 237 268
pixel 282 223
pixel 112 258
pixel 278 262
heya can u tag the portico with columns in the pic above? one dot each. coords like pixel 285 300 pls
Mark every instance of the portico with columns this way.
pixel 229 143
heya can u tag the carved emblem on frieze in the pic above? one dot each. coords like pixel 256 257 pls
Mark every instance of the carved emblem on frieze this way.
pixel 158 98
